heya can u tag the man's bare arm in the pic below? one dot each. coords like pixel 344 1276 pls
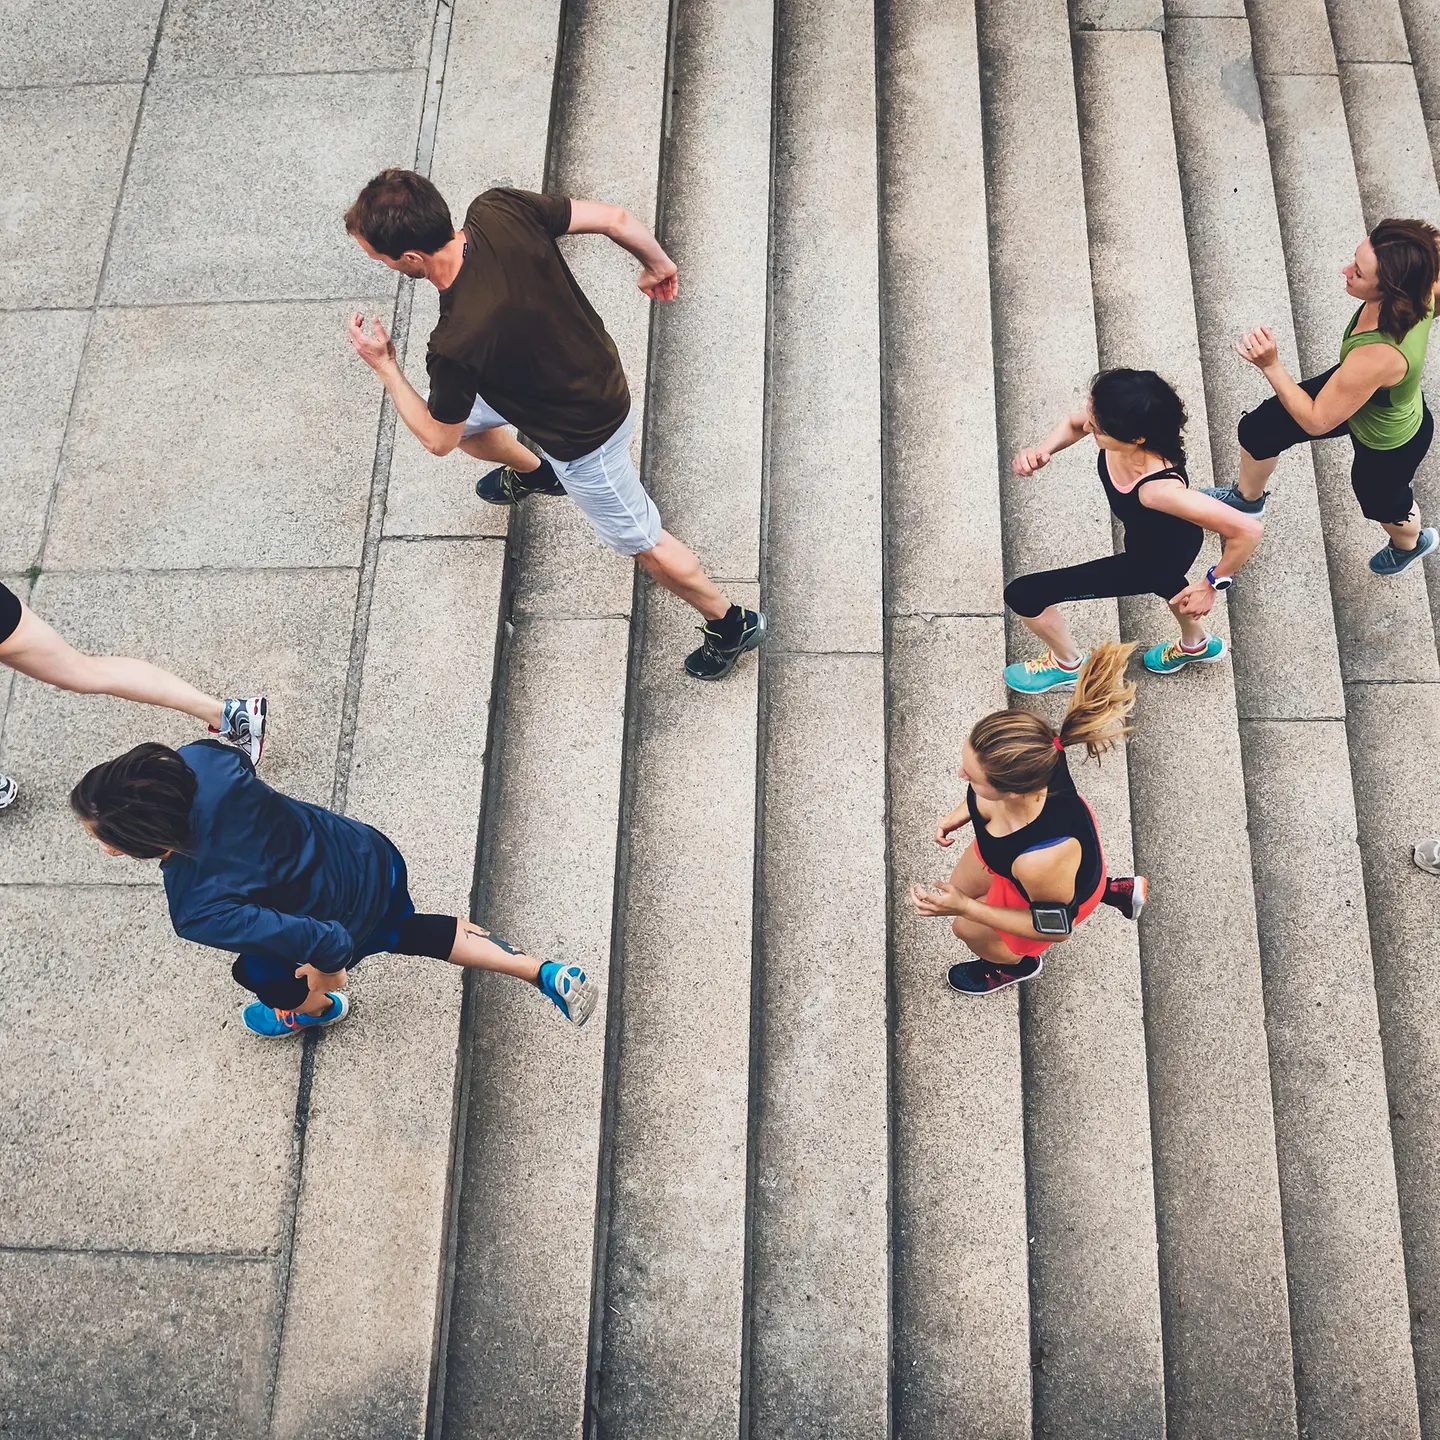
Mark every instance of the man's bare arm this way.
pixel 377 350
pixel 591 217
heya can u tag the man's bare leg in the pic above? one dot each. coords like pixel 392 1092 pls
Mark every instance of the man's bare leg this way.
pixel 501 446
pixel 676 566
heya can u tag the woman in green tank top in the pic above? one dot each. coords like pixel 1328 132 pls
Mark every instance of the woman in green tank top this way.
pixel 1373 395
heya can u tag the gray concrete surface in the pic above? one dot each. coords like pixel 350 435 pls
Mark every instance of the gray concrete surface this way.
pixel 219 494
pixel 820 1352
pixel 670 1310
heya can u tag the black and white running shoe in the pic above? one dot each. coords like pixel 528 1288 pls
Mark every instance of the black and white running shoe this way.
pixel 723 642
pixel 242 725
pixel 505 486
pixel 9 792
pixel 985 977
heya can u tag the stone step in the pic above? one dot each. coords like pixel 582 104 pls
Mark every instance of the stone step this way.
pixel 519 1326
pixel 1094 1289
pixel 1396 723
pixel 670 1311
pixel 961 1323
pixel 819 1356
pixel 1317 976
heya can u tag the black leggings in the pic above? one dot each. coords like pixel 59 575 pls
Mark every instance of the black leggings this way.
pixel 1122 574
pixel 275 983
pixel 9 612
pixel 1380 478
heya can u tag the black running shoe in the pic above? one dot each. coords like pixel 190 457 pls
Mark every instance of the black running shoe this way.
pixel 505 486
pixel 723 642
pixel 1128 894
pixel 984 977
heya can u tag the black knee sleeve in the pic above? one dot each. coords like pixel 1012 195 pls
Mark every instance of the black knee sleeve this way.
pixel 430 935
pixel 1024 597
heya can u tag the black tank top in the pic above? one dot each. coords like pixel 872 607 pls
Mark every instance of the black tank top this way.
pixel 1064 816
pixel 1152 534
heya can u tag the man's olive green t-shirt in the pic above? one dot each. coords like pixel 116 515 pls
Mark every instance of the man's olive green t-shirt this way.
pixel 518 331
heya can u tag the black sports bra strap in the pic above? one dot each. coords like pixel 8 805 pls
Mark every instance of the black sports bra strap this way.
pixel 1174 472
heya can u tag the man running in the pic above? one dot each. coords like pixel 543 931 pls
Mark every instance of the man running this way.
pixel 518 343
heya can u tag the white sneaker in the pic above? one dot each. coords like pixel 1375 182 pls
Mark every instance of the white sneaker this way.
pixel 242 725
pixel 1427 856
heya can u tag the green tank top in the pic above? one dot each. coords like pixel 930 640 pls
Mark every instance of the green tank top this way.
pixel 1390 416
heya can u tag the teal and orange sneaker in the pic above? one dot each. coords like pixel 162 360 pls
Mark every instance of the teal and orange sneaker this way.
pixel 1035 677
pixel 270 1024
pixel 1167 659
pixel 572 991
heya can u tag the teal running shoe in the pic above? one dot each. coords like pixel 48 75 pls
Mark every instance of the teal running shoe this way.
pixel 270 1024
pixel 1390 561
pixel 571 990
pixel 1167 659
pixel 1035 677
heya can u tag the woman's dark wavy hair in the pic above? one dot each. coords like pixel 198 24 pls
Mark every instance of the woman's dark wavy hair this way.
pixel 1137 404
pixel 1407 264
pixel 139 802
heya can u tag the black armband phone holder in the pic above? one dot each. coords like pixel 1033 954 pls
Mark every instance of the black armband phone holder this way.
pixel 1050 919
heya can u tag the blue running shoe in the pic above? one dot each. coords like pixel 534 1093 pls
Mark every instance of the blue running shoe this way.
pixel 1391 561
pixel 1230 495
pixel 1167 659
pixel 1035 677
pixel 506 486
pixel 270 1024
pixel 570 989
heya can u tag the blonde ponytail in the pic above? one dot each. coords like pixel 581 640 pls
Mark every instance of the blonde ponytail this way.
pixel 1102 701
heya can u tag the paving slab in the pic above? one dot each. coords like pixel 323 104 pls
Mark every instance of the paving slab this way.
pixel 674 1262
pixel 229 633
pixel 942 496
pixel 1091 15
pixel 1405 720
pixel 201 217
pixel 709 395
pixel 257 37
pixel 359 1338
pixel 43 348
pixel 250 465
pixel 64 42
pixel 1421 20
pixel 116 1136
pixel 1291 37
pixel 98 1346
pixel 825 443
pixel 1368 31
pixel 70 146
pixel 520 1316
pixel 962 1331
pixel 820 1345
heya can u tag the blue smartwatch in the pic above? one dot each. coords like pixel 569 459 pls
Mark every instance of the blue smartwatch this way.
pixel 1219 583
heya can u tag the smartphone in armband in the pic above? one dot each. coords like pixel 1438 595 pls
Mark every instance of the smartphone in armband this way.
pixel 1050 919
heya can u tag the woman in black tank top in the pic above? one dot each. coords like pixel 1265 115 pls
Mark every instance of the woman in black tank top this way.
pixel 1035 869
pixel 1136 419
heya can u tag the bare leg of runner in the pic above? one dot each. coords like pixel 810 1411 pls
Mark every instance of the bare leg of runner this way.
pixel 673 564
pixel 501 447
pixel 34 649
pixel 1050 626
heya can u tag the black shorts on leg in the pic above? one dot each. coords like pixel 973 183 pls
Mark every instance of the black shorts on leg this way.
pixel 1270 429
pixel 272 982
pixel 9 612
pixel 1111 575
pixel 1381 479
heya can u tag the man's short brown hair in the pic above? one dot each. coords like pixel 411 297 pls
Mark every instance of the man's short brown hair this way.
pixel 401 210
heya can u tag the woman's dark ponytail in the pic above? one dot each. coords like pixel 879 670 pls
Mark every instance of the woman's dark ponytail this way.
pixel 1138 404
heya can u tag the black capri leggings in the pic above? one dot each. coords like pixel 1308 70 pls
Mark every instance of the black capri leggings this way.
pixel 1122 574
pixel 1380 478
pixel 275 983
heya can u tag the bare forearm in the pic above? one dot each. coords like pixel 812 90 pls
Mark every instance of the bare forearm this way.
pixel 631 235
pixel 412 409
pixel 1297 403
pixel 1065 434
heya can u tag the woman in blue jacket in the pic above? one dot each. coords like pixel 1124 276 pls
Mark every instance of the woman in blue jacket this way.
pixel 298 893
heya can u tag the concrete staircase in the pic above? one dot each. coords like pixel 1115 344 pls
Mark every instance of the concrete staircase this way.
pixel 788 1186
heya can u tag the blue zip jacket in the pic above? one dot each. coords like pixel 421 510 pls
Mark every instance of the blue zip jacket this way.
pixel 268 875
